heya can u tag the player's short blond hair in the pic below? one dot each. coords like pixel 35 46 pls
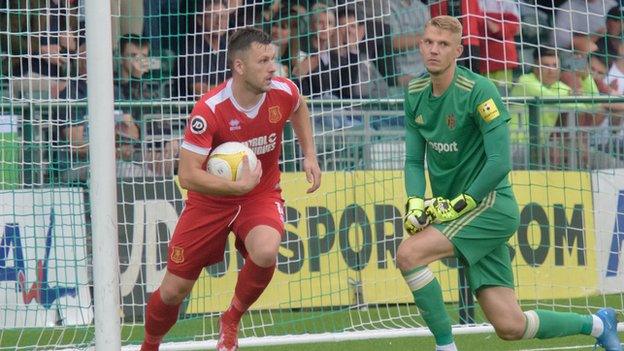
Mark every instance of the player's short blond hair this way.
pixel 447 23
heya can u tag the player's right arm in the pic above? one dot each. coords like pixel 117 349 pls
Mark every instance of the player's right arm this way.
pixel 416 218
pixel 414 154
pixel 194 177
pixel 198 138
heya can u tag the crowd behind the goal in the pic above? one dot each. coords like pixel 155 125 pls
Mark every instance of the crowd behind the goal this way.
pixel 333 49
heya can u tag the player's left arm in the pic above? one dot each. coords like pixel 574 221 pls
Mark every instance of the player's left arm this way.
pixel 492 117
pixel 300 120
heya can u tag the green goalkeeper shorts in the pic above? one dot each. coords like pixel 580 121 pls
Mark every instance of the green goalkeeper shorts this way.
pixel 480 239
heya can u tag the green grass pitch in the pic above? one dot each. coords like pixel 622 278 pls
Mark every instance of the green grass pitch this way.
pixel 301 322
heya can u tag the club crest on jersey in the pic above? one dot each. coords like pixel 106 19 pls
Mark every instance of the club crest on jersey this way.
pixel 451 121
pixel 177 254
pixel 235 125
pixel 198 125
pixel 274 114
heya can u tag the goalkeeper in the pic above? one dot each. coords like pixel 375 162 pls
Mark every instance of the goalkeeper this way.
pixel 459 120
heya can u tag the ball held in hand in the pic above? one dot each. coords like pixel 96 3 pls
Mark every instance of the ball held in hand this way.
pixel 226 160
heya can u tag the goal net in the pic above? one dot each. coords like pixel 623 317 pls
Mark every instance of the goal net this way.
pixel 336 279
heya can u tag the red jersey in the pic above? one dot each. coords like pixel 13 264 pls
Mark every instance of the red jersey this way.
pixel 218 118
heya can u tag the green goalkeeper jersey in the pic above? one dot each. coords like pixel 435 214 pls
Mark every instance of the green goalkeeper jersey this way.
pixel 464 134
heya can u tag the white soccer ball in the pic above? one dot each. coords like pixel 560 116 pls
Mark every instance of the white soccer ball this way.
pixel 226 160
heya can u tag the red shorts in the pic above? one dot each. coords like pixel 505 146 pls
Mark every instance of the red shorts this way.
pixel 201 233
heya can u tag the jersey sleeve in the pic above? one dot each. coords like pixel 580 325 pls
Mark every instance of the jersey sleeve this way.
pixel 294 94
pixel 497 165
pixel 414 174
pixel 200 129
pixel 488 108
pixel 408 109
pixel 492 117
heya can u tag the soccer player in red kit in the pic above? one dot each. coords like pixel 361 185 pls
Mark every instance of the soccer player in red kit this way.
pixel 251 107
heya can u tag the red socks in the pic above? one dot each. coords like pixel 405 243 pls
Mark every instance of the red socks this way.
pixel 252 280
pixel 159 318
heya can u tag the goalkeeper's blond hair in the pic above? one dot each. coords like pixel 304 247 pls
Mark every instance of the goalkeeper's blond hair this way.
pixel 447 23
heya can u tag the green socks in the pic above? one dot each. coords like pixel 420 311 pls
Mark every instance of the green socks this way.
pixel 428 297
pixel 542 324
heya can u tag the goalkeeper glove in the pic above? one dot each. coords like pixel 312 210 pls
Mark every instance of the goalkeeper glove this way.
pixel 444 210
pixel 416 218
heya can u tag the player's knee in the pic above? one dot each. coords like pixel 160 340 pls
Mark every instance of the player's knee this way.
pixel 407 257
pixel 264 256
pixel 173 295
pixel 510 330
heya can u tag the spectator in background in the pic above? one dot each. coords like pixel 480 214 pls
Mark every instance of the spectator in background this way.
pixel 599 70
pixel 614 79
pixel 283 31
pixel 377 41
pixel 407 21
pixel 545 81
pixel 131 81
pixel 574 64
pixel 19 41
pixel 577 74
pixel 501 22
pixel 65 44
pixel 576 19
pixel 378 46
pixel 202 62
pixel 351 32
pixel 608 44
pixel 61 54
pixel 542 82
pixel 615 76
pixel 319 73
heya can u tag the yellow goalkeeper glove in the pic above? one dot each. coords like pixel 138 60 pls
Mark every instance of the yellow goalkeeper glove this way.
pixel 445 210
pixel 416 218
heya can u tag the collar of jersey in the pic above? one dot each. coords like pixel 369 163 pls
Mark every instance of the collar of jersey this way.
pixel 250 112
pixel 430 87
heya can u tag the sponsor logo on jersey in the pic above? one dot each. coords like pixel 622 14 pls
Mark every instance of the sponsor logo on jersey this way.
pixel 198 125
pixel 419 119
pixel 274 114
pixel 451 121
pixel 444 147
pixel 262 144
pixel 177 254
pixel 235 125
pixel 488 110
